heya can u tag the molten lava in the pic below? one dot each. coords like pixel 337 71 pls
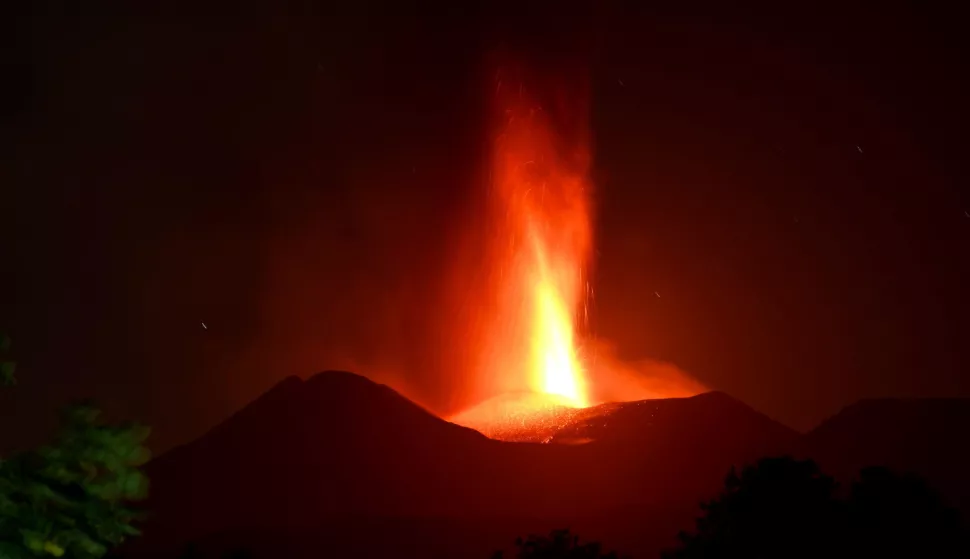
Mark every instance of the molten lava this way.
pixel 539 245
pixel 533 365
pixel 555 369
pixel 540 182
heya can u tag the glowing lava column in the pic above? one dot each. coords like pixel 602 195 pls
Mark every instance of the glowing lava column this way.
pixel 543 231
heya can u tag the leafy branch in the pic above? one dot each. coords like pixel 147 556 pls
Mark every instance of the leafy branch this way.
pixel 72 498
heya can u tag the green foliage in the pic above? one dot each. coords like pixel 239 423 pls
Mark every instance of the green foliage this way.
pixel 559 544
pixel 71 498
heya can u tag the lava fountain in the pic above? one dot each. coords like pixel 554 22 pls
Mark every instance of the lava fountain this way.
pixel 551 209
pixel 540 241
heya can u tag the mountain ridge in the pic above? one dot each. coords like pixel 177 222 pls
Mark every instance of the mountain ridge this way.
pixel 308 453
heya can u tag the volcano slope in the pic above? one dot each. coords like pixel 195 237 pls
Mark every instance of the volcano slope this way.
pixel 340 464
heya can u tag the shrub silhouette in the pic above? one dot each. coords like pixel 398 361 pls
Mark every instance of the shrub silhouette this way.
pixel 786 508
pixel 559 544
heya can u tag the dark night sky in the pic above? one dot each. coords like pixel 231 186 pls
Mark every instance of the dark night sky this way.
pixel 792 185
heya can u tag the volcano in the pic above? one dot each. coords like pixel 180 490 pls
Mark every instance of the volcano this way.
pixel 341 459
pixel 338 446
pixel 536 418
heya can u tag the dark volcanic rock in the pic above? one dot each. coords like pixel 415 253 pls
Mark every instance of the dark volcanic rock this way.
pixel 336 443
pixel 339 446
pixel 338 454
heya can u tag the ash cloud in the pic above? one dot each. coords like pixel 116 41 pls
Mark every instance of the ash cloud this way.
pixel 612 379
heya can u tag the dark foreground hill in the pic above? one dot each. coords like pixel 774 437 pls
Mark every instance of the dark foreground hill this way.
pixel 339 464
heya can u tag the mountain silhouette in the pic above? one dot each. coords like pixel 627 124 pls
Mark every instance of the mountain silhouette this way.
pixel 923 436
pixel 339 456
pixel 334 444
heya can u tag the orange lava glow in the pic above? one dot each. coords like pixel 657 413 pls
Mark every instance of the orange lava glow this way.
pixel 542 240
pixel 535 369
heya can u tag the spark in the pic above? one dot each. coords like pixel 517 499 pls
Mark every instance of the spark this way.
pixel 203 325
pixel 620 82
pixel 859 148
pixel 657 294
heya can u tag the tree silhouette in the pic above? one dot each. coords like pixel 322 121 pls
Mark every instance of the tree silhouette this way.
pixel 559 544
pixel 891 514
pixel 786 508
pixel 777 508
